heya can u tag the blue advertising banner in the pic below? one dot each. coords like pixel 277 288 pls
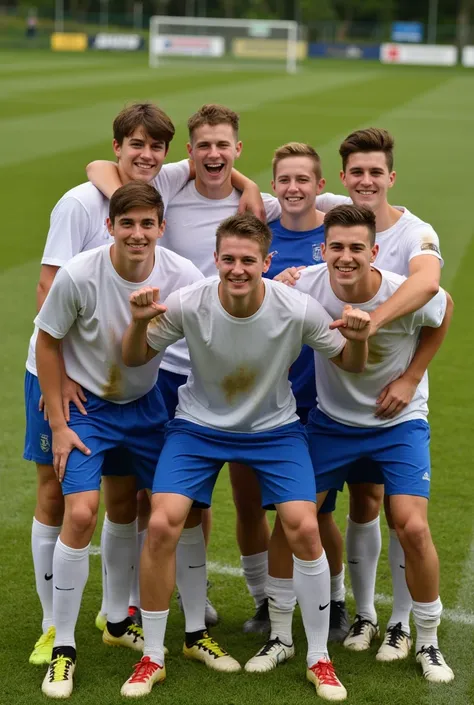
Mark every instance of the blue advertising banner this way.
pixel 407 32
pixel 344 50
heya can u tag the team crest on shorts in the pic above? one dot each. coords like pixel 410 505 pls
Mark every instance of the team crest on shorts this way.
pixel 45 443
pixel 317 256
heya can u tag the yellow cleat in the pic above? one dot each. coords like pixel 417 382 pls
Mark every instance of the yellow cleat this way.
pixel 211 654
pixel 41 654
pixel 101 621
pixel 132 638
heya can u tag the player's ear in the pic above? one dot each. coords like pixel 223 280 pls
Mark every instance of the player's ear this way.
pixel 321 185
pixel 189 147
pixel 374 252
pixel 392 177
pixel 323 251
pixel 216 258
pixel 342 176
pixel 273 184
pixel 238 149
pixel 162 227
pixel 267 263
pixel 117 148
pixel 110 226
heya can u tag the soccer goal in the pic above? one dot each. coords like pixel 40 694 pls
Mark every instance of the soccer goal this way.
pixel 228 41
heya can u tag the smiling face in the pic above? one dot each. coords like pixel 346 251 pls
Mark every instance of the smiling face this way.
pixel 368 179
pixel 296 185
pixel 214 148
pixel 240 264
pixel 135 234
pixel 349 254
pixel 140 157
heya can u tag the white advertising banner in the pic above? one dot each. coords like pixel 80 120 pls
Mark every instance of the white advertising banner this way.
pixel 419 54
pixel 187 45
pixel 468 57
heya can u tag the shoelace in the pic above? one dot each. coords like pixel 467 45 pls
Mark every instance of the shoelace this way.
pixel 135 631
pixel 359 625
pixel 325 673
pixel 433 654
pixel 208 644
pixel 59 669
pixel 395 635
pixel 144 670
pixel 269 646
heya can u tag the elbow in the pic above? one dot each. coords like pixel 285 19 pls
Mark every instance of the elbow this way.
pixel 432 288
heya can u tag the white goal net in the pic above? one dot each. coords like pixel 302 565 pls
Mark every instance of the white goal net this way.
pixel 273 42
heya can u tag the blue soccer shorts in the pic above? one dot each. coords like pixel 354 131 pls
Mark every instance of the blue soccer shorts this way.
pixel 193 455
pixel 399 454
pixel 168 384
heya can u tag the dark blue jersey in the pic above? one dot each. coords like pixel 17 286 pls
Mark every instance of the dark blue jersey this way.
pixel 292 249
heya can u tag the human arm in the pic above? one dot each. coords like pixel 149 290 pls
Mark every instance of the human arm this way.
pixel 48 361
pixel 399 393
pixel 290 275
pixel 46 278
pixel 104 175
pixel 251 198
pixel 354 325
pixel 144 306
pixel 420 286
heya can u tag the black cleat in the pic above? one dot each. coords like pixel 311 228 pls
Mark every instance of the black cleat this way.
pixel 260 622
pixel 338 621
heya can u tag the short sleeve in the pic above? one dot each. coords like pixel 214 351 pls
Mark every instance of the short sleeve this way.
pixel 272 207
pixel 327 201
pixel 171 179
pixel 61 306
pixel 316 332
pixel 421 240
pixel 68 230
pixel 431 314
pixel 166 329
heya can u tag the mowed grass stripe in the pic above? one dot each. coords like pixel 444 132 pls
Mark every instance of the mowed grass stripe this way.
pixel 44 134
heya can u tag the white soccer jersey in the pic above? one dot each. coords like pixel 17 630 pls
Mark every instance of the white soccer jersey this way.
pixel 351 398
pixel 78 223
pixel 88 309
pixel 191 224
pixel 239 366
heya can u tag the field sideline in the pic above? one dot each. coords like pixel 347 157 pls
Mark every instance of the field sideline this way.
pixel 55 116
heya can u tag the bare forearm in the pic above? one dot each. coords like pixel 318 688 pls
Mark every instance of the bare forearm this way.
pixel 241 182
pixel 413 294
pixel 429 344
pixel 135 349
pixel 354 356
pixel 49 364
pixel 105 176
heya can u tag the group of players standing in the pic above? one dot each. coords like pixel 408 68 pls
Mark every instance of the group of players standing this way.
pixel 115 309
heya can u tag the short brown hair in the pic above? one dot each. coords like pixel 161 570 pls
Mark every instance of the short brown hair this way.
pixel 372 139
pixel 297 149
pixel 135 194
pixel 150 117
pixel 245 225
pixel 348 217
pixel 213 114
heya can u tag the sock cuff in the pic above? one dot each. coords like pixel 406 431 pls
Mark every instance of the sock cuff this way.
pixel 315 567
pixel 192 536
pixel 120 530
pixel 281 594
pixel 43 530
pixel 355 526
pixel 72 554
pixel 148 614
pixel 339 576
pixel 428 609
pixel 256 559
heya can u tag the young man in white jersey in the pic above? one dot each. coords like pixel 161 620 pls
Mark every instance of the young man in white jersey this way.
pixel 237 405
pixel 410 247
pixel 192 219
pixel 82 322
pixel 346 426
pixel 142 133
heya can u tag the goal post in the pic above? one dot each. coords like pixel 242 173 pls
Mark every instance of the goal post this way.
pixel 220 38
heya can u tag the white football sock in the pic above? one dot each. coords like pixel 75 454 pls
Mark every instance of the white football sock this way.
pixel 402 601
pixel 338 588
pixel 70 573
pixel 154 628
pixel 312 584
pixel 134 598
pixel 281 605
pixel 255 568
pixel 427 616
pixel 103 606
pixel 191 577
pixel 363 545
pixel 120 554
pixel 43 541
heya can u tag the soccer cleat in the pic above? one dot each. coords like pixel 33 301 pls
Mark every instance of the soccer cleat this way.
pixel 101 621
pixel 41 654
pixel 396 644
pixel 271 655
pixel 146 673
pixel 434 667
pixel 260 622
pixel 135 615
pixel 328 686
pixel 132 638
pixel 360 635
pixel 211 654
pixel 58 682
pixel 338 621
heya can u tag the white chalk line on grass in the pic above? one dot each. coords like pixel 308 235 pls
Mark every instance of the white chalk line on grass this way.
pixel 457 616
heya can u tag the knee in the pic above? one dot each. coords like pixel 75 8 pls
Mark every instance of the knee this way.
pixel 161 531
pixel 414 534
pixel 82 518
pixel 306 531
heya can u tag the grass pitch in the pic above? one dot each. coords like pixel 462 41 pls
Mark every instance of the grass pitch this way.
pixel 55 116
